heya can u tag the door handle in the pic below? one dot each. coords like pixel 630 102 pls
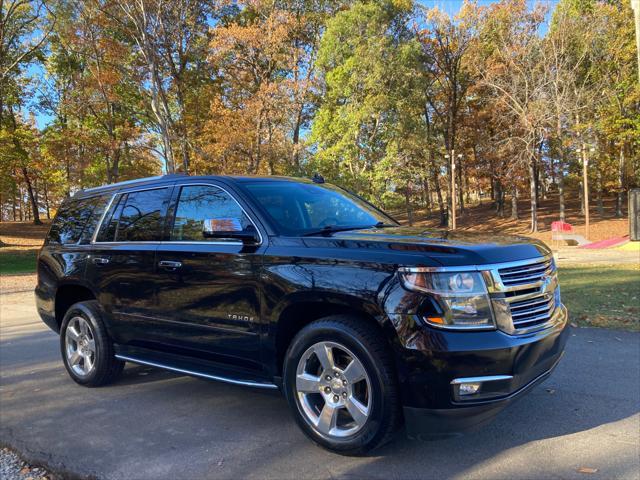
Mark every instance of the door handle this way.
pixel 100 260
pixel 169 265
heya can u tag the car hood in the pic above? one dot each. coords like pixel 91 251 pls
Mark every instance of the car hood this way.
pixel 450 248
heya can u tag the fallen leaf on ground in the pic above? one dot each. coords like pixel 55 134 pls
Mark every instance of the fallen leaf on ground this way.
pixel 587 470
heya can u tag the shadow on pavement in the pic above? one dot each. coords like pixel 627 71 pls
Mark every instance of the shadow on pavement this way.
pixel 154 424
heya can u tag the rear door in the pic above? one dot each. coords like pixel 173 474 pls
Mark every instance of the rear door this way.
pixel 209 297
pixel 122 265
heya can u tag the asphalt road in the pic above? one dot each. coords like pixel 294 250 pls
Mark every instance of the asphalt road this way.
pixel 156 425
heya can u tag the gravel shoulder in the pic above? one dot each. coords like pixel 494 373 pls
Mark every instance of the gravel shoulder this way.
pixel 12 467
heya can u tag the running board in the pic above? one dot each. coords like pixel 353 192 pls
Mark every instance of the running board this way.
pixel 246 383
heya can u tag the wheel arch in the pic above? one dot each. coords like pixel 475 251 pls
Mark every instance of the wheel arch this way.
pixel 66 295
pixel 301 311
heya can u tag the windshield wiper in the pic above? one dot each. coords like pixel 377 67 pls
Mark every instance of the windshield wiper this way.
pixel 383 225
pixel 333 229
pixel 337 228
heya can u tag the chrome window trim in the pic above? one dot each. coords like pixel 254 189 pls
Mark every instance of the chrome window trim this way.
pixel 119 192
pixel 231 242
pixel 173 242
pixel 490 378
pixel 104 214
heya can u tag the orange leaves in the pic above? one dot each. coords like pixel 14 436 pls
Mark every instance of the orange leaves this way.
pixel 251 120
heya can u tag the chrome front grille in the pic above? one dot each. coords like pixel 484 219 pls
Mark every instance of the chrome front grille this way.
pixel 526 274
pixel 533 311
pixel 525 295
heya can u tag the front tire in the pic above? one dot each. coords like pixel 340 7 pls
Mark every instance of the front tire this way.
pixel 340 383
pixel 87 350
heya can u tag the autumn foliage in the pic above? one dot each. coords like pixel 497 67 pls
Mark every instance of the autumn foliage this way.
pixel 385 97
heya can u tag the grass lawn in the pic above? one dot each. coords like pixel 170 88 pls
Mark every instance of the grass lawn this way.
pixel 17 260
pixel 603 295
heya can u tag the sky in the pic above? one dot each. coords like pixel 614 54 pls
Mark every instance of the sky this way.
pixel 449 6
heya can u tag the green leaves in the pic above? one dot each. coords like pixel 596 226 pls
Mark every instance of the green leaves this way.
pixel 366 57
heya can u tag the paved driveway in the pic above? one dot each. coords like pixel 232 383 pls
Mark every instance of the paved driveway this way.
pixel 157 425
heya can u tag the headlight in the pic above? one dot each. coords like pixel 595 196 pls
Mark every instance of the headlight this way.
pixel 462 297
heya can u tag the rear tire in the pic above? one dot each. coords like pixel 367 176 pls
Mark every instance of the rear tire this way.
pixel 87 350
pixel 340 383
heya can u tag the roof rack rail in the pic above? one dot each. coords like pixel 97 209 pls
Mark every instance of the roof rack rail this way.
pixel 136 180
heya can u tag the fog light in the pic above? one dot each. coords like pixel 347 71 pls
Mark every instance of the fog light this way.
pixel 469 388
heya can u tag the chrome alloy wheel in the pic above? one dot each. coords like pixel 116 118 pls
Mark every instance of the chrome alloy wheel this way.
pixel 333 389
pixel 80 346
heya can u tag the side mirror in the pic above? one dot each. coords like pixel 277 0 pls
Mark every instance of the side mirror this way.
pixel 229 228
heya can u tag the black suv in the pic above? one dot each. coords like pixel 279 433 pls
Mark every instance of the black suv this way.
pixel 298 285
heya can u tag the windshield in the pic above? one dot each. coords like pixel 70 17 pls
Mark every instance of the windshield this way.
pixel 302 208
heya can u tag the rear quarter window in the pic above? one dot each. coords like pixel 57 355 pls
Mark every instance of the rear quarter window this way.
pixel 73 219
pixel 136 217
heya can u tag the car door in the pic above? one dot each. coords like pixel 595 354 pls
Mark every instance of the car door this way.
pixel 121 266
pixel 209 298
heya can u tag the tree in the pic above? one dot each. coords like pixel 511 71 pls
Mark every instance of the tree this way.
pixel 168 37
pixel 519 79
pixel 445 44
pixel 617 119
pixel 254 57
pixel 20 43
pixel 364 59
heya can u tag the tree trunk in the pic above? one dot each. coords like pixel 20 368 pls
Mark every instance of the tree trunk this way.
pixel 499 203
pixel 436 183
pixel 427 195
pixel 461 186
pixel 514 202
pixel 560 170
pixel 534 200
pixel 536 179
pixel 13 202
pixel 21 204
pixel 599 189
pixel 32 197
pixel 46 201
pixel 620 193
pixel 296 141
pixel 407 203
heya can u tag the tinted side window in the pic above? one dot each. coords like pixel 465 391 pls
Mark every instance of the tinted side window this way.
pixel 136 217
pixel 107 231
pixel 199 203
pixel 90 228
pixel 71 219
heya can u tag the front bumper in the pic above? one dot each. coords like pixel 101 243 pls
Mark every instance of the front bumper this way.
pixel 423 423
pixel 432 359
